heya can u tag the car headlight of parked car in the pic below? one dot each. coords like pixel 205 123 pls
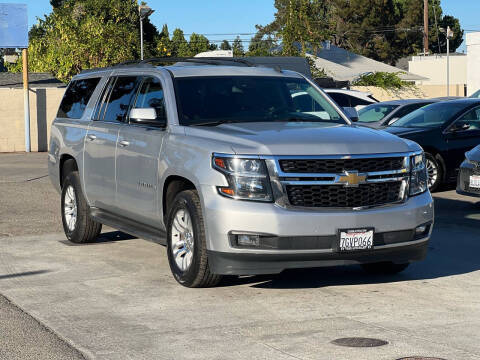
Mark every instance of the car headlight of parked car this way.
pixel 418 175
pixel 247 178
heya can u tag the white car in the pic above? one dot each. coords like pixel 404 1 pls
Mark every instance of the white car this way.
pixel 351 98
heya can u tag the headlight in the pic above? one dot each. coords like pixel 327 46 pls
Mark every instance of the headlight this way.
pixel 247 178
pixel 418 175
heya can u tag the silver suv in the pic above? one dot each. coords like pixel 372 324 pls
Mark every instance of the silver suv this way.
pixel 234 172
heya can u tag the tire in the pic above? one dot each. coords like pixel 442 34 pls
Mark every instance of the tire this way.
pixel 387 268
pixel 434 169
pixel 186 237
pixel 80 228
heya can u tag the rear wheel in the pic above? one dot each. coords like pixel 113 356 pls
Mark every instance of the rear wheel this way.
pixel 78 225
pixel 186 242
pixel 435 172
pixel 384 268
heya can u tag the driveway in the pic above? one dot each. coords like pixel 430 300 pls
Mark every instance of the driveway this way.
pixel 116 298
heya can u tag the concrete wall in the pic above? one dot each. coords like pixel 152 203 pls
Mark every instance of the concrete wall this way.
pixel 417 92
pixel 434 68
pixel 43 108
pixel 473 62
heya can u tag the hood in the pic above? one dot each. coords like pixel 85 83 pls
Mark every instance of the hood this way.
pixel 474 154
pixel 300 138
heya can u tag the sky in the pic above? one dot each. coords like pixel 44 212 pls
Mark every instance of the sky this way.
pixel 237 17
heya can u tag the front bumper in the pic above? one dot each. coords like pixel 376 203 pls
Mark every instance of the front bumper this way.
pixel 463 180
pixel 224 216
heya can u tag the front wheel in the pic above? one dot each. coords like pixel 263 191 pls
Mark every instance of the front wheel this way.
pixel 434 170
pixel 388 268
pixel 186 242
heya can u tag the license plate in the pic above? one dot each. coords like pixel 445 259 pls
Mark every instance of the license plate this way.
pixel 475 181
pixel 359 239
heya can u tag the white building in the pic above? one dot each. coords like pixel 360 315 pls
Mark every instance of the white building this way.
pixel 473 62
pixel 434 68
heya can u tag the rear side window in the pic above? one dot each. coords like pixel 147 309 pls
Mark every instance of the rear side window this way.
pixel 76 98
pixel 120 98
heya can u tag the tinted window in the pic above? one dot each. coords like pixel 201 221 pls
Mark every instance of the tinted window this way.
pixel 120 98
pixel 375 112
pixel 434 115
pixel 205 100
pixel 101 104
pixel 407 109
pixel 470 121
pixel 341 99
pixel 151 96
pixel 355 101
pixel 76 98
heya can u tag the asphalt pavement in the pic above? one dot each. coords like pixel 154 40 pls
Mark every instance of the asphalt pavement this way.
pixel 116 298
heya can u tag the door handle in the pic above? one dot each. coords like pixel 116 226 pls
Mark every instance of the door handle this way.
pixel 124 143
pixel 91 137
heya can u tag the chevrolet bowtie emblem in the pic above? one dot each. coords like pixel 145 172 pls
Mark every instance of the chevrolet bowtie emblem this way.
pixel 352 178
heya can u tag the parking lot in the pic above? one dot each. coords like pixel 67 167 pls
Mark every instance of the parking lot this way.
pixel 116 298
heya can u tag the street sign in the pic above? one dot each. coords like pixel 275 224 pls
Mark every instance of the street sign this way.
pixel 13 26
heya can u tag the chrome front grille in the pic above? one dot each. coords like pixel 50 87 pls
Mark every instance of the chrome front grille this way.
pixel 343 182
pixel 340 165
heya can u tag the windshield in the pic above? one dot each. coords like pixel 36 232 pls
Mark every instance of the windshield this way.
pixel 476 94
pixel 430 116
pixel 213 100
pixel 375 112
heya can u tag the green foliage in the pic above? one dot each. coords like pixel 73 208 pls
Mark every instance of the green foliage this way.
pixel 261 46
pixel 198 44
pixel 385 30
pixel 314 70
pixel 237 47
pixel 383 80
pixel 225 45
pixel 83 34
pixel 180 47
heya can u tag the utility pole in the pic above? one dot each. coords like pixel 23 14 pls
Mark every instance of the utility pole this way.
pixel 449 35
pixel 26 100
pixel 144 12
pixel 425 27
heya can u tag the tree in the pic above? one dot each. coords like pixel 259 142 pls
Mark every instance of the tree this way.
pixel 81 34
pixel 454 24
pixel 261 45
pixel 164 44
pixel 237 47
pixel 225 45
pixel 198 44
pixel 301 25
pixel 367 27
pixel 180 47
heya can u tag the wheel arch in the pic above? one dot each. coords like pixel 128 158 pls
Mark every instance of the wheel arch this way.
pixel 436 154
pixel 67 164
pixel 173 185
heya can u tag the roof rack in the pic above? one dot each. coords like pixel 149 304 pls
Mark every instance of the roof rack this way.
pixel 161 61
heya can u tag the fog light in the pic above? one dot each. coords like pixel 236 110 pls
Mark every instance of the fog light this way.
pixel 248 240
pixel 421 230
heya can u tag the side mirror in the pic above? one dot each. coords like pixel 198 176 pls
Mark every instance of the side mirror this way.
pixel 351 112
pixel 146 116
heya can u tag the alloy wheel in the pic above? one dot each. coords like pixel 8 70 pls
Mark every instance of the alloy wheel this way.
pixel 432 170
pixel 182 239
pixel 70 208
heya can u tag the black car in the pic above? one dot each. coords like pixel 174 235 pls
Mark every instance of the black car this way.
pixel 445 130
pixel 387 112
pixel 469 177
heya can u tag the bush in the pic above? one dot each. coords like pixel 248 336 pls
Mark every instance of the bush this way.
pixel 382 80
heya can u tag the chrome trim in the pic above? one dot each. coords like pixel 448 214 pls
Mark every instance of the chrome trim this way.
pixel 279 179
